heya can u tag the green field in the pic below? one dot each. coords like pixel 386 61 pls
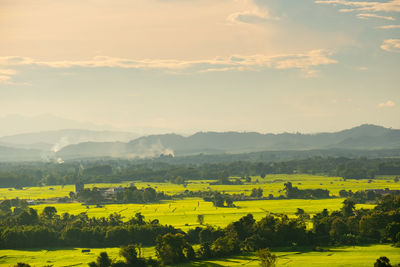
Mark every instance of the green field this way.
pixel 271 184
pixel 336 256
pixel 59 256
pixel 183 213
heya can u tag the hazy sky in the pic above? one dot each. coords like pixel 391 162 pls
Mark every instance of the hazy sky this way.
pixel 190 65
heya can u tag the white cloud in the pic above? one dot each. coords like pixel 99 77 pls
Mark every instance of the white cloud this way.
pixel 387 104
pixel 5 75
pixel 390 6
pixel 251 17
pixel 304 61
pixel 346 10
pixel 7 72
pixel 370 15
pixel 255 14
pixel 391 45
pixel 389 27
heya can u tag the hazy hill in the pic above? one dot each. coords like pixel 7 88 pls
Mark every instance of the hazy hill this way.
pixel 19 154
pixel 55 140
pixel 364 137
pixel 72 144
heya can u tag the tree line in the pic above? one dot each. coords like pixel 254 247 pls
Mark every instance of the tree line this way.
pixel 23 227
pixel 114 171
pixel 129 194
pixel 344 227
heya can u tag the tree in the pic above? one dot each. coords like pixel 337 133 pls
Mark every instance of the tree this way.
pixel 302 214
pixel 348 207
pixel 173 248
pixel 49 212
pixel 132 255
pixel 5 207
pixel 200 219
pixel 382 262
pixel 223 177
pixel 267 259
pixel 343 193
pixel 256 192
pixel 102 261
pixel 338 228
pixel 149 194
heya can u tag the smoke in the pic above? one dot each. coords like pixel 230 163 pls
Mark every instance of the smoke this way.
pixel 168 152
pixel 148 149
pixel 63 142
pixel 60 161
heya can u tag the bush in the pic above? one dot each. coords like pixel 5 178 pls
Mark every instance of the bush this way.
pixel 267 259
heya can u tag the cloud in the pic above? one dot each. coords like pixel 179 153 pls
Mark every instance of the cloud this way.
pixel 387 104
pixel 251 17
pixel 256 14
pixel 5 75
pixel 369 15
pixel 304 61
pixel 389 27
pixel 390 6
pixel 391 45
pixel 346 10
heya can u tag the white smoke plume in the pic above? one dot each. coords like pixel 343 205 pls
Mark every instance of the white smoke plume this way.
pixel 63 142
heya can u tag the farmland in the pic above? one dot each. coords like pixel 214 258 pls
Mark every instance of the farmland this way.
pixel 271 184
pixel 334 256
pixel 183 214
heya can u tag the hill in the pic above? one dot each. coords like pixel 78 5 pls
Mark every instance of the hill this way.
pixel 364 137
pixel 55 140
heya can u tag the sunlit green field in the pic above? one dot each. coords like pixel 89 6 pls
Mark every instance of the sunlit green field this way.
pixel 60 257
pixel 183 213
pixel 337 256
pixel 271 184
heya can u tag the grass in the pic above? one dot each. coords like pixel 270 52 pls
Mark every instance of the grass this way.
pixel 183 213
pixel 334 256
pixel 60 256
pixel 271 184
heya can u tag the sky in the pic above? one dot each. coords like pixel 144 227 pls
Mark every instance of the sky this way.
pixel 155 66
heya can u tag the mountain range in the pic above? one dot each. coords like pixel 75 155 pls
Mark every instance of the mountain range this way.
pixel 73 144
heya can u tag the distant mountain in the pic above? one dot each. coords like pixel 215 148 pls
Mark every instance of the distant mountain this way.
pixel 12 124
pixel 364 137
pixel 19 154
pixel 93 150
pixel 55 140
pixel 75 143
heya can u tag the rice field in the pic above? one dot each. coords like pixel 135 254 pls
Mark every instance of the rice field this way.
pixel 334 256
pixel 271 184
pixel 183 213
pixel 60 256
pixel 356 256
